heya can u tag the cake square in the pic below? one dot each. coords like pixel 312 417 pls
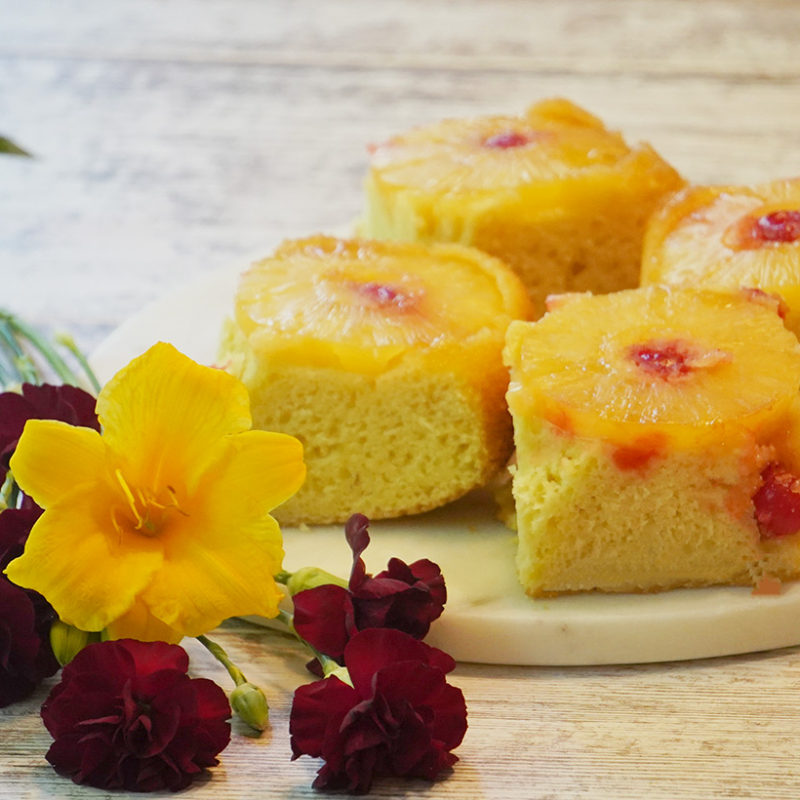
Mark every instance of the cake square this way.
pixel 657 441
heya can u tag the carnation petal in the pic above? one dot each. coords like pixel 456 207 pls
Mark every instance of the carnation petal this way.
pixel 317 711
pixel 375 648
pixel 167 411
pixel 15 526
pixel 321 617
pixel 87 571
pixel 158 655
pixel 53 458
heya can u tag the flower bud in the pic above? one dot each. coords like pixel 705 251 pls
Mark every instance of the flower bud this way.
pixel 249 702
pixel 67 641
pixel 310 578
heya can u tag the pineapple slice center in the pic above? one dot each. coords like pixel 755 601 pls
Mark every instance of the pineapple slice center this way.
pixel 384 296
pixel 754 231
pixel 674 358
pixel 507 139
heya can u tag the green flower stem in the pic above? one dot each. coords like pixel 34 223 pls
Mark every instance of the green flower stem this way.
pixel 288 620
pixel 59 366
pixel 5 376
pixel 236 674
pixel 282 577
pixel 247 700
pixel 67 341
pixel 24 367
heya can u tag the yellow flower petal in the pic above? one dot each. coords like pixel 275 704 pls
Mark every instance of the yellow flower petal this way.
pixel 163 412
pixel 139 623
pixel 225 572
pixel 89 571
pixel 52 459
pixel 258 469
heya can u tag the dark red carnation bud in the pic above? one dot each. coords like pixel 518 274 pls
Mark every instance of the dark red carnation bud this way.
pixel 356 531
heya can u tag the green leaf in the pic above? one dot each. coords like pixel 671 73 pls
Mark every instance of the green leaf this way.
pixel 7 146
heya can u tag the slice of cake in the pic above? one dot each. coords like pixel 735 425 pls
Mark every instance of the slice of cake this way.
pixel 657 442
pixel 726 237
pixel 552 193
pixel 385 360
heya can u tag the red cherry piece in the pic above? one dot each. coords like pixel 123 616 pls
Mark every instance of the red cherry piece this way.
pixel 752 232
pixel 506 140
pixel 665 360
pixel 384 296
pixel 779 226
pixel 777 503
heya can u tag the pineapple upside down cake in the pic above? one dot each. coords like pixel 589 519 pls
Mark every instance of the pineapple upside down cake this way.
pixel 385 360
pixel 657 435
pixel 726 237
pixel 553 193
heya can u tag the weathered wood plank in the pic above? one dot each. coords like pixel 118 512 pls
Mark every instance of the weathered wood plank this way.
pixel 722 38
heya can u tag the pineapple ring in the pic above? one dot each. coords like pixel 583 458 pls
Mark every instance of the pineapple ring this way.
pixel 362 304
pixel 709 236
pixel 684 364
pixel 554 140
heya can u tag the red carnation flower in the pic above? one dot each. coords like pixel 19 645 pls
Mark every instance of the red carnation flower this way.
pixel 25 654
pixel 66 403
pixel 127 716
pixel 25 618
pixel 406 597
pixel 400 717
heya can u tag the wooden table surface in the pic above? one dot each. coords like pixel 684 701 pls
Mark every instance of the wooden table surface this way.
pixel 174 138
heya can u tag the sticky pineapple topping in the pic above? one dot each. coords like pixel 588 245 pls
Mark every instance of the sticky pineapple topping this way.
pixel 552 141
pixel 363 305
pixel 552 192
pixel 672 365
pixel 657 441
pixel 724 237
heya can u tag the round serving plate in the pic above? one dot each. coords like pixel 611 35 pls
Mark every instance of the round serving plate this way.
pixel 487 619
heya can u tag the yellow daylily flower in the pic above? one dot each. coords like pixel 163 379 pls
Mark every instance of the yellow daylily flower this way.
pixel 159 527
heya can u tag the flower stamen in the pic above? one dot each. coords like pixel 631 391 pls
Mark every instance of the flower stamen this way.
pixel 126 490
pixel 147 510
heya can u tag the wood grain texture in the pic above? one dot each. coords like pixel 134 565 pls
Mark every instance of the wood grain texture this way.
pixel 173 138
